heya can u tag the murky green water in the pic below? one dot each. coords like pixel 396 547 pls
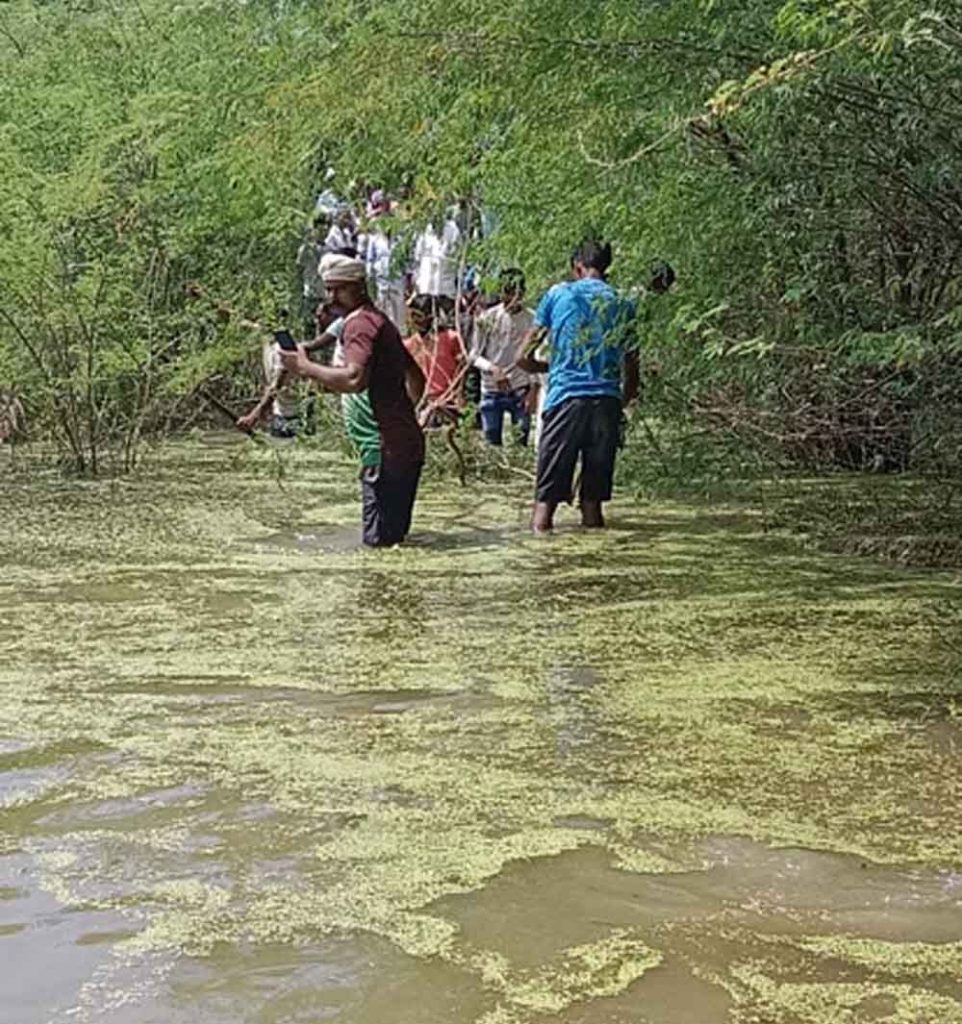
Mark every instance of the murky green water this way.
pixel 681 773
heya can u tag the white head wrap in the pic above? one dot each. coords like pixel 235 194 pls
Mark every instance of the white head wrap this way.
pixel 335 267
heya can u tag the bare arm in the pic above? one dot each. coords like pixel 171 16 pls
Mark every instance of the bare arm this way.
pixel 414 380
pixel 251 420
pixel 268 395
pixel 344 380
pixel 527 361
pixel 324 340
pixel 479 335
pixel 224 313
pixel 476 356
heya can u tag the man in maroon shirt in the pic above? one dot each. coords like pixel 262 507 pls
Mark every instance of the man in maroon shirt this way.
pixel 376 362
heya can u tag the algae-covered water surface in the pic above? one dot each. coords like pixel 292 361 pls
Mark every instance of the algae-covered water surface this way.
pixel 682 772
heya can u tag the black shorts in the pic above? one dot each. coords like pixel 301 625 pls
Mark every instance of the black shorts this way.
pixel 387 503
pixel 585 427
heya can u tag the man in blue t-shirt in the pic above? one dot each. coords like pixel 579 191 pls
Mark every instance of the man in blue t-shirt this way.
pixel 590 331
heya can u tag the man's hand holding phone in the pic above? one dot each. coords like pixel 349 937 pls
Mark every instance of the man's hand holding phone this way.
pixel 285 340
pixel 293 356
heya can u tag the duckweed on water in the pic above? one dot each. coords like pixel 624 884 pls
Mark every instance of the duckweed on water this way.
pixel 525 760
pixel 582 973
pixel 914 958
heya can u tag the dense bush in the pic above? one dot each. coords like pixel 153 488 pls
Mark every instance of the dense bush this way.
pixel 798 163
pixel 136 155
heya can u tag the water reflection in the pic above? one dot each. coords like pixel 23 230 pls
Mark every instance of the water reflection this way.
pixel 571 710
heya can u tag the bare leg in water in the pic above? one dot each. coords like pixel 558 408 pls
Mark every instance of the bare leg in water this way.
pixel 592 517
pixel 542 521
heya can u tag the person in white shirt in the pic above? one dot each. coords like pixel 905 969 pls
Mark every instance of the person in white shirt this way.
pixel 499 338
pixel 342 237
pixel 436 260
pixel 377 248
pixel 328 202
pixel 281 393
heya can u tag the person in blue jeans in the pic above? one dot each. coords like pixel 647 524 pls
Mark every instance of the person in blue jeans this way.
pixel 590 330
pixel 506 389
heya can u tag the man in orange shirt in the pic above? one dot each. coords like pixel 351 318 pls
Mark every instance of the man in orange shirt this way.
pixel 441 354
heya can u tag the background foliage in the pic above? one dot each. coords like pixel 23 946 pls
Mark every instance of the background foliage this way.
pixel 797 162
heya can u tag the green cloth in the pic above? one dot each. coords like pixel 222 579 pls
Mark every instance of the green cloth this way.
pixel 361 427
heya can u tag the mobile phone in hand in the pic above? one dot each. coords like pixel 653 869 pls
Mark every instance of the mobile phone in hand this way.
pixel 285 341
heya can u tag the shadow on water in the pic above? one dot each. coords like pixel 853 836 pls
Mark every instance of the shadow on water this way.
pixel 319 538
pixel 478 539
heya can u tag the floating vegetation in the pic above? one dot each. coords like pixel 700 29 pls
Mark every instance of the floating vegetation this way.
pixel 564 770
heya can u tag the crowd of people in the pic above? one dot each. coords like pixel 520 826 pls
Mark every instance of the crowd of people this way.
pixel 396 323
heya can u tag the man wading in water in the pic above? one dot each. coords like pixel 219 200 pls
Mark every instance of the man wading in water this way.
pixel 376 362
pixel 590 327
